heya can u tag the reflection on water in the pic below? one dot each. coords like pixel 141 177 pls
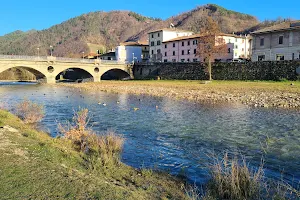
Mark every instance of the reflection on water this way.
pixel 176 135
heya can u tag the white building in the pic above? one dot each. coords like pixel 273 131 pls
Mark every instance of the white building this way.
pixel 156 38
pixel 184 49
pixel 278 42
pixel 132 51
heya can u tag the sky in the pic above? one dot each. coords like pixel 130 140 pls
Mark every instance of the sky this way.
pixel 39 14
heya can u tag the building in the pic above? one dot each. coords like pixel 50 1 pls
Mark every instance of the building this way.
pixel 278 42
pixel 108 56
pixel 156 39
pixel 132 51
pixel 184 49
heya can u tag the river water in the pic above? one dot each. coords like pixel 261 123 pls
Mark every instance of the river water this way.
pixel 172 135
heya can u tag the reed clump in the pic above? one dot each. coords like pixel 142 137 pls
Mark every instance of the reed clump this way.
pixel 30 112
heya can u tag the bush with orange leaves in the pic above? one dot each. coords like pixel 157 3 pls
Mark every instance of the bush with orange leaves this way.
pixel 30 112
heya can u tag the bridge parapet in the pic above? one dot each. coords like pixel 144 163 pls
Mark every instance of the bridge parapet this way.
pixel 59 59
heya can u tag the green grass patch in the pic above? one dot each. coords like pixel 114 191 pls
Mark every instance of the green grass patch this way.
pixel 35 166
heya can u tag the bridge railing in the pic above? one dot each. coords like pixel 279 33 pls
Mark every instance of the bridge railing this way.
pixel 60 59
pixel 20 57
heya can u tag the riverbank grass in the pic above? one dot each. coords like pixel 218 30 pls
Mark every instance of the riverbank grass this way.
pixel 36 166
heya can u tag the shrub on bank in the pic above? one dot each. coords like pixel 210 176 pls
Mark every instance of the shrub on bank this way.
pixel 29 111
pixel 77 131
pixel 98 150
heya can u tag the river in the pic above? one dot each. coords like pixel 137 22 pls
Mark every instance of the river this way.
pixel 172 135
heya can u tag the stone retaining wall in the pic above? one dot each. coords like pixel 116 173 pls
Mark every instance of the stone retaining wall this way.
pixel 268 70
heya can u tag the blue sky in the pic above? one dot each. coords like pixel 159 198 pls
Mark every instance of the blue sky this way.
pixel 39 14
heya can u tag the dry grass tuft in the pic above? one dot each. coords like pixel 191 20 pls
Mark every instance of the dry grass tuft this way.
pixel 107 147
pixel 232 179
pixel 30 112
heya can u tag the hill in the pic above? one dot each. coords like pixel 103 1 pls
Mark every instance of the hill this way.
pixel 71 37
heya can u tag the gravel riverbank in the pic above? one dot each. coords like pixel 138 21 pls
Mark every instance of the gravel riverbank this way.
pixel 253 94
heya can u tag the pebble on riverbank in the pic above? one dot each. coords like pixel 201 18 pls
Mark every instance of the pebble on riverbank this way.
pixel 253 97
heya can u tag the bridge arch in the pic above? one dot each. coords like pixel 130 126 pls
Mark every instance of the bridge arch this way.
pixel 74 73
pixel 33 70
pixel 115 74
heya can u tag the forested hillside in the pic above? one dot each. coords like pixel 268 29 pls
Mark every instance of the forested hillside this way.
pixel 70 38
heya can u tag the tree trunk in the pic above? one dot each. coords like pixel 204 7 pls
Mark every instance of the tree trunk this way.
pixel 209 69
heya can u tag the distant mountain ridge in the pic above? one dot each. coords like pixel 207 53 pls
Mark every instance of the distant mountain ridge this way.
pixel 108 29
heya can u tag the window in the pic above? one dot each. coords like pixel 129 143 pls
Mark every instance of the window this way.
pixel 280 39
pixel 229 40
pixel 165 60
pixel 195 51
pixel 242 49
pixel 152 35
pixel 173 44
pixel 158 42
pixel 235 54
pixel 188 51
pixel 229 50
pixel 173 60
pixel 152 52
pixel 182 60
pixel 236 40
pixel 152 43
pixel 262 41
pixel 236 46
pixel 165 53
pixel 293 56
pixel 261 57
pixel 182 44
pixel 188 60
pixel 165 46
pixel 279 57
pixel 182 52
pixel 158 50
pixel 195 60
pixel 195 42
pixel 158 34
pixel 188 43
pixel 173 53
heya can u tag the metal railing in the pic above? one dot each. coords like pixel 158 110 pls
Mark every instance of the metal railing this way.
pixel 60 59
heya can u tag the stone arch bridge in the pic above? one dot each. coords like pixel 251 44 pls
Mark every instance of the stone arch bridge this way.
pixel 50 67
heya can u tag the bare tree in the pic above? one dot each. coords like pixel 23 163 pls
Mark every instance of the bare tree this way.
pixel 210 44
